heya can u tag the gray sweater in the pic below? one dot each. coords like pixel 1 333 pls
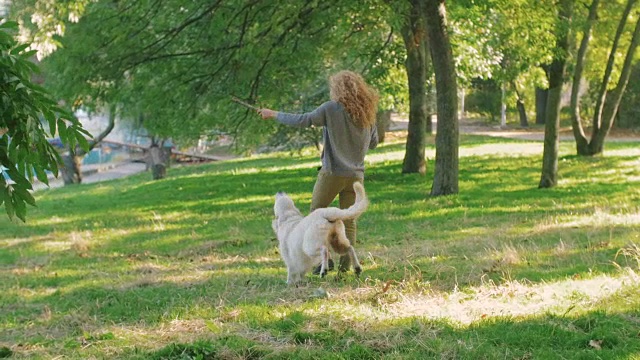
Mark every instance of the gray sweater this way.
pixel 345 144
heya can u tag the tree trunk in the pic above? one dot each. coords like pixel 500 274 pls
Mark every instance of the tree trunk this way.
pixel 447 163
pixel 557 69
pixel 72 163
pixel 612 102
pixel 415 40
pixel 157 164
pixel 71 169
pixel 541 104
pixel 383 120
pixel 582 144
pixel 522 111
pixel 597 116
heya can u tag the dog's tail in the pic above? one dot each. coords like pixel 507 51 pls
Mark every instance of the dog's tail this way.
pixel 355 210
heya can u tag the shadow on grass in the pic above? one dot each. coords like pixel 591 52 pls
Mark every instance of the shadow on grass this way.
pixel 226 209
pixel 597 334
pixel 158 250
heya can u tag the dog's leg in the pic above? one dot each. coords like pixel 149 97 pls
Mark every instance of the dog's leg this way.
pixel 330 267
pixel 354 260
pixel 324 266
pixel 291 277
pixel 340 243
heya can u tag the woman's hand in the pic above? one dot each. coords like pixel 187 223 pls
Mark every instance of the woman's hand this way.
pixel 267 113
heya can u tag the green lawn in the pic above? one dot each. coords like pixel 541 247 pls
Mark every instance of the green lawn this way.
pixel 188 268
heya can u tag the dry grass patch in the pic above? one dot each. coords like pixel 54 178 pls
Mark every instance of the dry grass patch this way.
pixel 512 298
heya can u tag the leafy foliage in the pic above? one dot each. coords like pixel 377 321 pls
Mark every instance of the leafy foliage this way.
pixel 485 98
pixel 24 149
pixel 506 40
pixel 177 69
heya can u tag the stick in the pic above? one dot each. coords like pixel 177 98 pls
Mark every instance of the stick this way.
pixel 238 101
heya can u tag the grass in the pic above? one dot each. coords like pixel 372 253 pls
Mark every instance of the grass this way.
pixel 188 268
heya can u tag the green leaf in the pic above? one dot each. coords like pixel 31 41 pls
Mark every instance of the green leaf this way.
pixel 8 204
pixel 20 180
pixel 12 79
pixel 41 174
pixel 84 144
pixel 40 90
pixel 6 38
pixel 28 55
pixel 20 210
pixel 12 25
pixel 62 130
pixel 32 66
pixel 84 132
pixel 3 185
pixel 20 48
pixel 26 196
pixel 51 118
pixel 53 166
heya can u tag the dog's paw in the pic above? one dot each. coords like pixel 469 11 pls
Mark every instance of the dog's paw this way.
pixel 323 273
pixel 357 270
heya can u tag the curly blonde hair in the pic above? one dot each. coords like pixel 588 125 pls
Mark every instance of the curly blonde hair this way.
pixel 359 99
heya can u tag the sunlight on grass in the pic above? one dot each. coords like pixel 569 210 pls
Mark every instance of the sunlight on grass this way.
pixel 136 269
pixel 55 220
pixel 631 151
pixel 598 218
pixel 511 150
pixel 391 156
pixel 301 165
pixel 17 241
pixel 513 298
pixel 244 200
pixel 604 218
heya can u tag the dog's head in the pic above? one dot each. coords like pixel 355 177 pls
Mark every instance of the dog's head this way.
pixel 283 208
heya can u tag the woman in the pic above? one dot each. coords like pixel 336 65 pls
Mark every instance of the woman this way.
pixel 349 131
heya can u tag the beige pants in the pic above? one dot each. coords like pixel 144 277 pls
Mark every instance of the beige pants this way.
pixel 326 189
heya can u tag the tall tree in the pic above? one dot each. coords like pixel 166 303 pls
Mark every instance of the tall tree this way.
pixel 557 70
pixel 415 40
pixel 607 102
pixel 446 168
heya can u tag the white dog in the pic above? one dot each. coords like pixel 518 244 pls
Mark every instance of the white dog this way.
pixel 305 241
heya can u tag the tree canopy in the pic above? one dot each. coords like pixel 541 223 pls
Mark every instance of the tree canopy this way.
pixel 173 63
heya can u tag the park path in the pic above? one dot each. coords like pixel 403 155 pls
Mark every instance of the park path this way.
pixel 98 173
pixel 469 126
pixel 477 127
